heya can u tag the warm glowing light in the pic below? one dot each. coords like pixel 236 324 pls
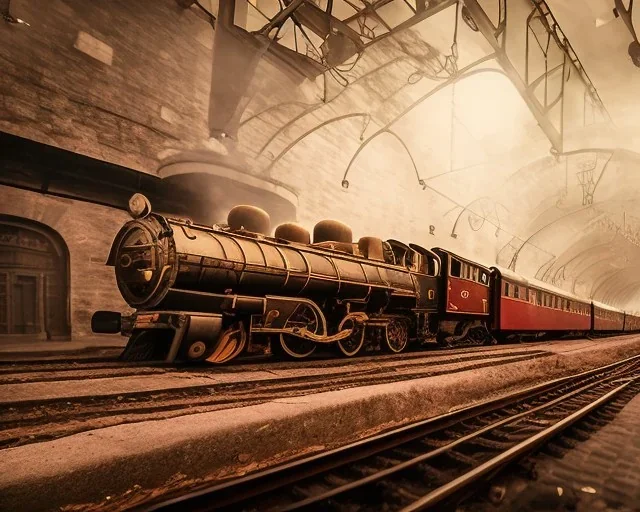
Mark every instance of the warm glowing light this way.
pixel 489 107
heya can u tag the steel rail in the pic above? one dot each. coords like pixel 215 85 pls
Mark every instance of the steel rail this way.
pixel 509 455
pixel 438 451
pixel 228 493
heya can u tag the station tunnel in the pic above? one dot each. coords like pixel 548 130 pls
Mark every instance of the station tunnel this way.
pixel 434 203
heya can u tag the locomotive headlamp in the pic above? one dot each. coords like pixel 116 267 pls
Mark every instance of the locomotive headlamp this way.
pixel 139 206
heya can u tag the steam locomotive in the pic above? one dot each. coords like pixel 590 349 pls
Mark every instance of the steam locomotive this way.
pixel 211 293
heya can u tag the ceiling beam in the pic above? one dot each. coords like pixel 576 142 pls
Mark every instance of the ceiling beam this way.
pixel 488 31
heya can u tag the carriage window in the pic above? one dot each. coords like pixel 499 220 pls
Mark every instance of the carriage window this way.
pixel 539 298
pixel 506 289
pixel 476 274
pixel 516 292
pixel 484 277
pixel 455 267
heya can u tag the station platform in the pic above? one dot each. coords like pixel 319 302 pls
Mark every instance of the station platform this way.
pixel 21 349
pixel 98 436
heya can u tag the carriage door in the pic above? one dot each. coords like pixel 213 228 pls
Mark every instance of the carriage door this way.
pixel 424 283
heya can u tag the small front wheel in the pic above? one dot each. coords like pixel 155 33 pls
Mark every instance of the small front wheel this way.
pixel 151 345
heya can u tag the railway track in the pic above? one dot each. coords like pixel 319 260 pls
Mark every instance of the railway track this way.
pixel 24 421
pixel 12 369
pixel 24 374
pixel 77 369
pixel 425 464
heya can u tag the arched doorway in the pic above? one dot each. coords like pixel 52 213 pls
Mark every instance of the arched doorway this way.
pixel 34 281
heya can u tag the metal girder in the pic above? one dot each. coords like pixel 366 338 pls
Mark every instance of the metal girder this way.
pixel 526 87
pixel 488 31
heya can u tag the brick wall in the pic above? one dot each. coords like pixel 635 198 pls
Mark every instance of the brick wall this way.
pixel 88 231
pixel 119 81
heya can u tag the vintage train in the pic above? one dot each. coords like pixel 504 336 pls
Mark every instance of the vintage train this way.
pixel 211 293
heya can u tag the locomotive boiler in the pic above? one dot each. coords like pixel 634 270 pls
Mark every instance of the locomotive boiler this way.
pixel 212 292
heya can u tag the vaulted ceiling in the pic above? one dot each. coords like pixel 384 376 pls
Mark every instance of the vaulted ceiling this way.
pixel 436 122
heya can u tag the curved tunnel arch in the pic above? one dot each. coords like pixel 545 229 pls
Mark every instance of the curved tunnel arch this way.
pixel 588 240
pixel 462 75
pixel 34 279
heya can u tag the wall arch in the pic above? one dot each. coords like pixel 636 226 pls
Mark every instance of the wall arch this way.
pixel 34 280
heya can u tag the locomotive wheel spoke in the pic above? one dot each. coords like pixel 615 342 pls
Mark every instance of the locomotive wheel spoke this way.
pixel 397 336
pixel 294 346
pixel 353 344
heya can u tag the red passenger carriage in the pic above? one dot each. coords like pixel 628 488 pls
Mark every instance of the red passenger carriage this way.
pixel 606 318
pixel 631 322
pixel 522 306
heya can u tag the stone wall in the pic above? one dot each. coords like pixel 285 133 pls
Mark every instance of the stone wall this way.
pixel 88 231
